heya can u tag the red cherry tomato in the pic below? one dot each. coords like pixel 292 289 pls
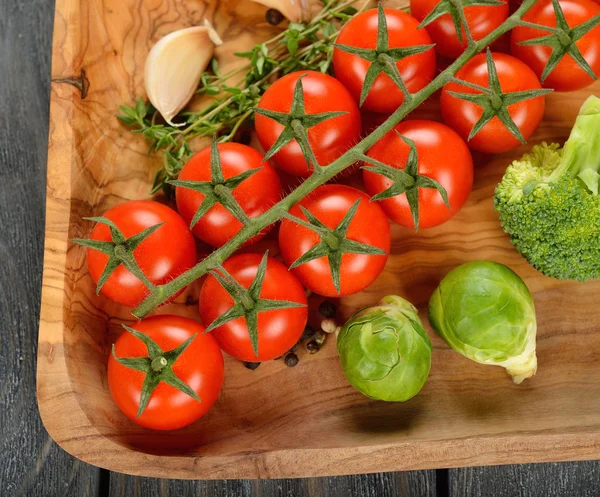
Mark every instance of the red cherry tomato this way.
pixel 330 203
pixel 361 32
pixel 200 367
pixel 482 20
pixel 494 137
pixel 328 139
pixel 443 156
pixel 567 75
pixel 164 255
pixel 255 194
pixel 278 330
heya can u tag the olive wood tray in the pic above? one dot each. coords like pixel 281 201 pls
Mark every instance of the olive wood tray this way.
pixel 277 421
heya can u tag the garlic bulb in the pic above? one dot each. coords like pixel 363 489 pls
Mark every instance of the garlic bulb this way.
pixel 175 65
pixel 293 10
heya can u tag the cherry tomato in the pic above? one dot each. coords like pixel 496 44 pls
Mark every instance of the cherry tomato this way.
pixel 328 139
pixel 255 194
pixel 567 75
pixel 200 367
pixel 278 330
pixel 361 32
pixel 462 115
pixel 443 156
pixel 329 204
pixel 164 255
pixel 482 20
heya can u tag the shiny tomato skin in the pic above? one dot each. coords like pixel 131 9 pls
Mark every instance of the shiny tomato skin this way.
pixel 443 156
pixel 255 195
pixel 278 330
pixel 329 139
pixel 164 255
pixel 200 367
pixel 416 71
pixel 568 75
pixel 482 20
pixel 494 137
pixel 329 203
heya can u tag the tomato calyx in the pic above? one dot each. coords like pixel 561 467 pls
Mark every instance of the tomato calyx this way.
pixel 562 40
pixel 455 9
pixel 334 242
pixel 407 180
pixel 383 59
pixel 157 367
pixel 494 101
pixel 218 190
pixel 296 125
pixel 119 251
pixel 247 302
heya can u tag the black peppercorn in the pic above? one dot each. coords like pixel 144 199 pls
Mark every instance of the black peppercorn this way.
pixel 291 360
pixel 274 17
pixel 327 309
pixel 313 347
pixel 251 365
pixel 308 333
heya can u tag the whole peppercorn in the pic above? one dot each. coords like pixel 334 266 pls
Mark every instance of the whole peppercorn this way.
pixel 313 347
pixel 327 309
pixel 251 365
pixel 308 333
pixel 291 360
pixel 274 17
pixel 328 325
pixel 320 337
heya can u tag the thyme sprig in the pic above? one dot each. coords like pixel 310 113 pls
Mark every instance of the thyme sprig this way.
pixel 236 93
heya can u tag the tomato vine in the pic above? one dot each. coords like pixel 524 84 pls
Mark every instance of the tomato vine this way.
pixel 321 175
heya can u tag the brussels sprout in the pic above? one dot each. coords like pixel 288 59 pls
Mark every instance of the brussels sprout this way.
pixel 385 352
pixel 485 311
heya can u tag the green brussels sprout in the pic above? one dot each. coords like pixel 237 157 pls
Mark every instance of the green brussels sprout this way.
pixel 484 311
pixel 385 352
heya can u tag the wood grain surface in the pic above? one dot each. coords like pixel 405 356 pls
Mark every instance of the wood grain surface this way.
pixel 276 421
pixel 408 484
pixel 568 480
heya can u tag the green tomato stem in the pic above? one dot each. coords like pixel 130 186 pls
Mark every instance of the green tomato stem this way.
pixel 163 292
pixel 158 364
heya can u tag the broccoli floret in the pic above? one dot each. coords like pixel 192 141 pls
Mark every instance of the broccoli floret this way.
pixel 549 205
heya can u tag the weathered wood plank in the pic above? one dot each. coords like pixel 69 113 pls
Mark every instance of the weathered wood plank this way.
pixel 580 479
pixel 406 484
pixel 31 464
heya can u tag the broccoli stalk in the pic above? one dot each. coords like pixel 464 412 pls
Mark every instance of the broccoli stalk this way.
pixel 549 205
pixel 581 153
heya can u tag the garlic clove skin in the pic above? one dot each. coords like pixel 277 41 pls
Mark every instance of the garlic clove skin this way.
pixel 293 10
pixel 175 65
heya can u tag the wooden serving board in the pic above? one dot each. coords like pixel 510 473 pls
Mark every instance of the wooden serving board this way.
pixel 278 421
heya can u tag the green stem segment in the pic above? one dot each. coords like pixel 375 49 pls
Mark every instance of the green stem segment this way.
pixel 161 293
pixel 581 153
pixel 158 364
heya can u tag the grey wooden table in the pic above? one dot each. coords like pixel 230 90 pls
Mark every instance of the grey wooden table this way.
pixel 31 464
